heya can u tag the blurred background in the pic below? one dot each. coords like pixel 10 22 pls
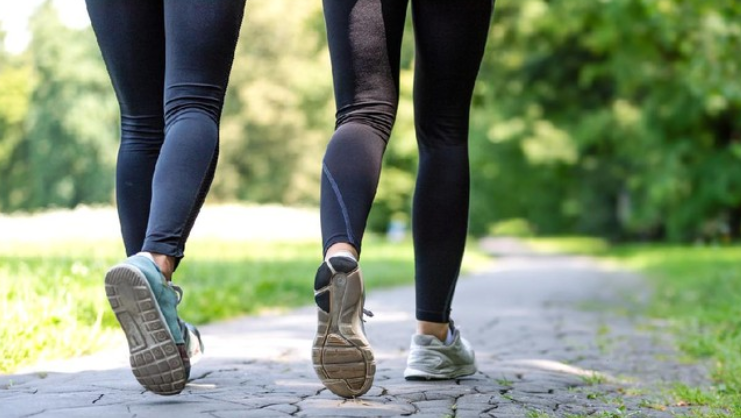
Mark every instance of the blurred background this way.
pixel 615 118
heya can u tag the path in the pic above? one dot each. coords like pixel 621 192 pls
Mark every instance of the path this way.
pixel 545 344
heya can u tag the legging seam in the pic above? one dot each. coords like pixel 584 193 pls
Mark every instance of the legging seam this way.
pixel 341 202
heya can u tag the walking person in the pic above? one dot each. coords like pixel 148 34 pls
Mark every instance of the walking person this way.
pixel 169 62
pixel 364 39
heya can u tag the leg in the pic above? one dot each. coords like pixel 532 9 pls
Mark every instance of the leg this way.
pixel 131 36
pixel 161 345
pixel 364 39
pixel 201 37
pixel 450 40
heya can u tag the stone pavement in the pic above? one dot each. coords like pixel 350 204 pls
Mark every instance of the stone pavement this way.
pixel 553 337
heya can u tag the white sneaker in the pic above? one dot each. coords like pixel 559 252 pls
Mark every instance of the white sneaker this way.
pixel 429 358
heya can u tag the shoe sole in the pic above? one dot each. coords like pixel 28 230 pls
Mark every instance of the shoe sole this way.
pixel 341 354
pixel 154 356
pixel 416 374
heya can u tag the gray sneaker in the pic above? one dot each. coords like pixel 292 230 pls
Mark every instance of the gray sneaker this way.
pixel 162 347
pixel 429 358
pixel 341 354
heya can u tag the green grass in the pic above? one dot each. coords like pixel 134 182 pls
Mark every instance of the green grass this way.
pixel 698 290
pixel 53 302
pixel 570 245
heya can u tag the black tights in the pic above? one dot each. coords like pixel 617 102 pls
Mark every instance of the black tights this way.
pixel 365 42
pixel 169 62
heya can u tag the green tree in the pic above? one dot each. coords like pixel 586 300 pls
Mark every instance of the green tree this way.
pixel 617 118
pixel 67 151
pixel 278 113
pixel 15 90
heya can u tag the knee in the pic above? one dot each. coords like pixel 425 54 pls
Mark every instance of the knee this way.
pixel 190 99
pixel 142 132
pixel 379 116
pixel 442 130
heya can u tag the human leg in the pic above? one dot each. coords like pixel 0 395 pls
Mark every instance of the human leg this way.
pixel 132 34
pixel 450 40
pixel 200 38
pixel 364 39
pixel 131 37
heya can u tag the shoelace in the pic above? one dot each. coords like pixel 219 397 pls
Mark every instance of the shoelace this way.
pixel 179 292
pixel 194 348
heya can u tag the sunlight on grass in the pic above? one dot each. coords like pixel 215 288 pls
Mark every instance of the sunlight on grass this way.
pixel 569 245
pixel 54 306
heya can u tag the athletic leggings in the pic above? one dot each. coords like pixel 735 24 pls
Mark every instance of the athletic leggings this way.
pixel 169 62
pixel 365 42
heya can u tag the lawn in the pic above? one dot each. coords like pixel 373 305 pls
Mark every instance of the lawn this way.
pixel 53 301
pixel 697 288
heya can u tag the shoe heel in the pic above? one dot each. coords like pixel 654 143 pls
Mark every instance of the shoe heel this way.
pixel 342 357
pixel 154 356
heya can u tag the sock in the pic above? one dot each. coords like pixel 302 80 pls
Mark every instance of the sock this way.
pixel 346 254
pixel 451 337
pixel 146 254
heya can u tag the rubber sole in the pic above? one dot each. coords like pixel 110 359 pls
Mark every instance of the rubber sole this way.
pixel 341 354
pixel 416 374
pixel 154 356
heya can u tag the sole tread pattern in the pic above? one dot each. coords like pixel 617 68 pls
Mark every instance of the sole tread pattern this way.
pixel 342 357
pixel 154 356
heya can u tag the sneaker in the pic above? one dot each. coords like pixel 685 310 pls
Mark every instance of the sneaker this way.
pixel 341 354
pixel 429 358
pixel 162 347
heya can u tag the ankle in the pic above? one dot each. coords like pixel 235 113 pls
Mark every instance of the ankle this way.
pixel 166 263
pixel 342 249
pixel 435 329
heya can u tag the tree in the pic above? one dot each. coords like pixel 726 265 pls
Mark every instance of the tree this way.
pixel 616 118
pixel 278 113
pixel 66 155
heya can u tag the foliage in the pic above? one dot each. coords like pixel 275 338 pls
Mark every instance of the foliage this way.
pixel 278 114
pixel 69 148
pixel 15 91
pixel 620 118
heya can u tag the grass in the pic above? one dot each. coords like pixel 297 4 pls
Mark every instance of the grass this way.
pixel 698 290
pixel 571 245
pixel 53 302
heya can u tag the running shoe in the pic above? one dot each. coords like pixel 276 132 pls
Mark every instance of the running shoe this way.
pixel 162 347
pixel 341 354
pixel 429 358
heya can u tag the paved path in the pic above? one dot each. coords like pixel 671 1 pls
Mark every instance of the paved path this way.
pixel 549 339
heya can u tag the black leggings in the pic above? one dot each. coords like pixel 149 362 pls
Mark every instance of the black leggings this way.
pixel 365 42
pixel 169 62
